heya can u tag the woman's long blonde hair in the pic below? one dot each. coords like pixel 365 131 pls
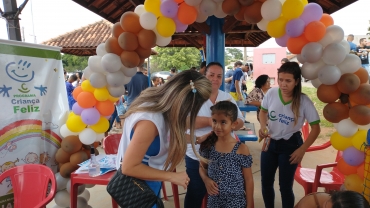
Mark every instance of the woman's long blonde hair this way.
pixel 176 100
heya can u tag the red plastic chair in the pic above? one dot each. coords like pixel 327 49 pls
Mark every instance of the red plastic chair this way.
pixel 311 179
pixel 30 185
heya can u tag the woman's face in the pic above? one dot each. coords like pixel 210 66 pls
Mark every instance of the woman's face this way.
pixel 215 75
pixel 287 83
pixel 267 85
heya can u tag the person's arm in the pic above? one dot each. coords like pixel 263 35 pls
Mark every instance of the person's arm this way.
pixel 211 186
pixel 144 134
pixel 229 79
pixel 198 140
pixel 248 176
pixel 297 156
pixel 255 103
pixel 238 90
pixel 200 122
pixel 263 121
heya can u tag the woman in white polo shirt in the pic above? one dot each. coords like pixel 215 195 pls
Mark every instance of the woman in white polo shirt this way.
pixel 287 108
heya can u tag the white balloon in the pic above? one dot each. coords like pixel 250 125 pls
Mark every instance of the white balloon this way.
pixel 300 58
pixel 98 80
pixel 111 62
pixel 81 202
pixel 89 185
pixel 62 198
pixel 364 127
pixel 129 72
pixel 148 20
pixel 312 52
pixel 201 17
pixel 61 182
pixel 64 131
pixel 346 45
pixel 87 136
pixel 193 2
pixel 334 34
pixel 80 189
pixel 262 25
pixel 316 83
pixel 335 125
pixel 329 75
pixel 347 128
pixel 99 137
pixel 116 91
pixel 126 80
pixel 115 79
pixel 100 50
pixel 207 7
pixel 350 64
pixel 87 72
pixel 219 13
pixel 139 9
pixel 310 70
pixel 94 64
pixel 271 10
pixel 85 195
pixel 334 54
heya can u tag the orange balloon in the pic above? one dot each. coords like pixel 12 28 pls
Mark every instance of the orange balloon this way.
pixel 143 53
pixel 78 157
pixel 360 114
pixel 328 93
pixel 314 31
pixel 187 14
pixel 240 15
pixel 231 7
pixel 252 14
pixel 105 108
pixel 130 59
pixel 112 46
pixel 327 20
pixel 179 1
pixel 147 39
pixel 346 169
pixel 128 41
pixel 295 45
pixel 361 95
pixel 335 112
pixel 86 100
pixel 76 92
pixel 352 103
pixel 348 83
pixel 66 169
pixel 130 22
pixel 363 75
pixel 361 171
pixel 142 61
pixel 117 30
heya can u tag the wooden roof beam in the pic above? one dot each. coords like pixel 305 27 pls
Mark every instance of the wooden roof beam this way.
pixel 105 4
pixel 135 2
pixel 202 27
pixel 229 24
pixel 192 41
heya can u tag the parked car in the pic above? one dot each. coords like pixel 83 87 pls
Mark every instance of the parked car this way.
pixel 163 74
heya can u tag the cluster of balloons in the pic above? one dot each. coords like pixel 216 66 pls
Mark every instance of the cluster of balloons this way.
pixel 71 153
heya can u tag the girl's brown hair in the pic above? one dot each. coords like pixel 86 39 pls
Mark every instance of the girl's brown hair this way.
pixel 176 100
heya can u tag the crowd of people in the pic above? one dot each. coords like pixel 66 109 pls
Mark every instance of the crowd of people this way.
pixel 188 116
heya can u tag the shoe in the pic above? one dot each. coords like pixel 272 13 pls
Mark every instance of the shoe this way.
pixel 245 121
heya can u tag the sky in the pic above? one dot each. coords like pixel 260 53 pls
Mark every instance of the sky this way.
pixel 47 19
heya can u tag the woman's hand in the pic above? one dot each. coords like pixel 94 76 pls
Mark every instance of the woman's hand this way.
pixel 297 156
pixel 203 138
pixel 180 179
pixel 211 186
pixel 263 132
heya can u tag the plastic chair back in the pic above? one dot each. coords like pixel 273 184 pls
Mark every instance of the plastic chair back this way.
pixel 111 143
pixel 30 185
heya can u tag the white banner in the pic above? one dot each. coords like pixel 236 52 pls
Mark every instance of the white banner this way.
pixel 33 106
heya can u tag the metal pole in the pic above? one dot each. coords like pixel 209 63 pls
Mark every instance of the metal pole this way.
pixel 12 21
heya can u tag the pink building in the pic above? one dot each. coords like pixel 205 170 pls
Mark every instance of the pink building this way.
pixel 267 61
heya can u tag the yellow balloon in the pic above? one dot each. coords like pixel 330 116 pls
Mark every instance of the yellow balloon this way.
pixel 101 94
pixel 292 9
pixel 353 183
pixel 71 114
pixel 86 86
pixel 153 6
pixel 166 27
pixel 305 2
pixel 75 124
pixel 276 28
pixel 113 99
pixel 359 140
pixel 100 127
pixel 339 142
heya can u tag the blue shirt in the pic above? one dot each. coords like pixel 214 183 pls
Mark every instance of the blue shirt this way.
pixel 238 74
pixel 352 46
pixel 228 74
pixel 138 83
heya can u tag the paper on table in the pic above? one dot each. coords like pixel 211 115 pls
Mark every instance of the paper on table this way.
pixel 107 163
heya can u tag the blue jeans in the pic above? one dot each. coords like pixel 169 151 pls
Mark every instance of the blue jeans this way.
pixel 196 189
pixel 111 120
pixel 278 155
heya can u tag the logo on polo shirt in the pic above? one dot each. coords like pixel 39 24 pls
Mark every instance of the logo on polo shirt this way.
pixel 272 116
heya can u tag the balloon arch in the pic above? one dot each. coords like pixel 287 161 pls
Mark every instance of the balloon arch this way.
pixel 300 26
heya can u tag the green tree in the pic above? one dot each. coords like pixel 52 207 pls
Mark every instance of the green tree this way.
pixel 236 54
pixel 72 63
pixel 227 59
pixel 181 58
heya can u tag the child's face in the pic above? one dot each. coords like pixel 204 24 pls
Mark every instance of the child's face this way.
pixel 222 124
